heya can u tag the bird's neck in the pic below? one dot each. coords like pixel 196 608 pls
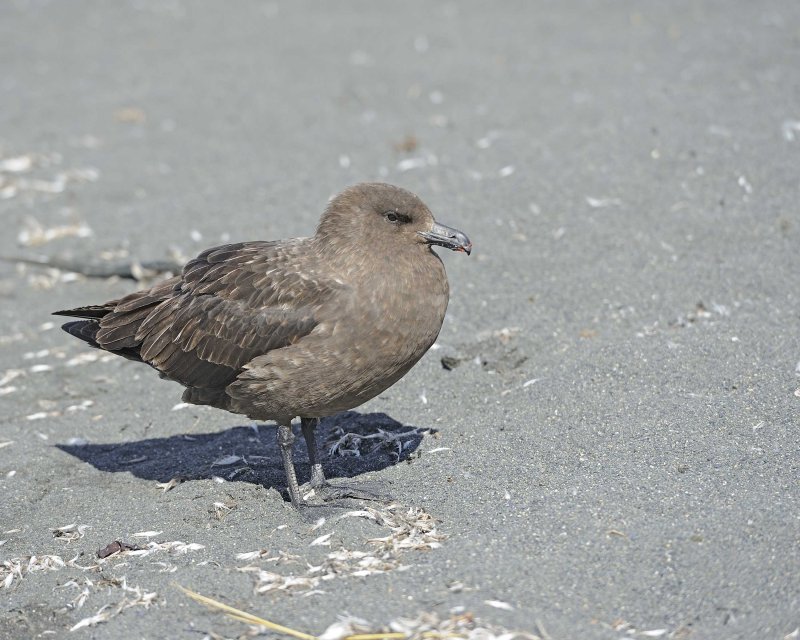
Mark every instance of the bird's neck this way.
pixel 364 263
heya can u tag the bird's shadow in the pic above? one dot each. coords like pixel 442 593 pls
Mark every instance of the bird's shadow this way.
pixel 348 444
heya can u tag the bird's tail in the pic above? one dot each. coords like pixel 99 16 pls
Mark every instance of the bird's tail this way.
pixel 85 330
pixel 92 312
pixel 88 328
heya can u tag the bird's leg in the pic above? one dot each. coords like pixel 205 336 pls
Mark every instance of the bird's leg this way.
pixel 324 490
pixel 285 442
pixel 309 426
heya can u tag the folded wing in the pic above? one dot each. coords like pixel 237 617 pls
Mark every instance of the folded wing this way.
pixel 231 304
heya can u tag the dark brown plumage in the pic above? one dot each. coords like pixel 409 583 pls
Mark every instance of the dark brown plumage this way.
pixel 305 327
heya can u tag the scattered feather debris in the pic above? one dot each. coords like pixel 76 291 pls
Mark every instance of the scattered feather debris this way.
pixel 320 521
pixel 499 604
pixel 424 625
pixel 486 141
pixel 116 547
pixel 10 375
pixel 85 358
pixel 411 529
pixel 176 547
pixel 506 171
pixel 630 630
pixel 19 568
pixel 221 509
pixel 71 532
pixel 83 405
pixel 17 164
pixel 411 163
pixel 598 203
pixel 167 486
pixel 34 234
pixel 13 182
pixel 790 130
pixel 745 185
pixel 324 540
pixel 344 443
pixel 78 601
pixel 253 555
pixel 135 597
pixel 227 461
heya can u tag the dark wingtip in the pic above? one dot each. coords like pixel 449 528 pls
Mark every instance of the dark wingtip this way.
pixel 85 330
pixel 91 312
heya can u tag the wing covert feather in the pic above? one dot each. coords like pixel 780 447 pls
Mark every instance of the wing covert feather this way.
pixel 230 305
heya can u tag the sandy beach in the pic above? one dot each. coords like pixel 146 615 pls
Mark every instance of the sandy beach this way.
pixel 602 444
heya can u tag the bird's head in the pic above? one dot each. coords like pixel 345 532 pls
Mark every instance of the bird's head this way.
pixel 385 218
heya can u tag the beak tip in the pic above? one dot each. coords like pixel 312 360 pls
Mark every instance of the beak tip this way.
pixel 447 237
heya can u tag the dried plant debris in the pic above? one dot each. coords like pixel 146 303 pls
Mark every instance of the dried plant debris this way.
pixel 347 627
pixel 494 351
pixel 410 529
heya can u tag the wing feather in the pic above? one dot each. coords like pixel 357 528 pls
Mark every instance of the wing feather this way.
pixel 231 304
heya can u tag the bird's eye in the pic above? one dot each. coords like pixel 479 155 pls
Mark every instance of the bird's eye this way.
pixel 397 218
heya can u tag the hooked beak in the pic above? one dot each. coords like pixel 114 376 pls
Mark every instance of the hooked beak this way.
pixel 447 237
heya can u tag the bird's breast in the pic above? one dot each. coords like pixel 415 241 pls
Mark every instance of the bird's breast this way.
pixel 393 322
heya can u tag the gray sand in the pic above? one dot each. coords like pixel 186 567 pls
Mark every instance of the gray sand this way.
pixel 615 453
